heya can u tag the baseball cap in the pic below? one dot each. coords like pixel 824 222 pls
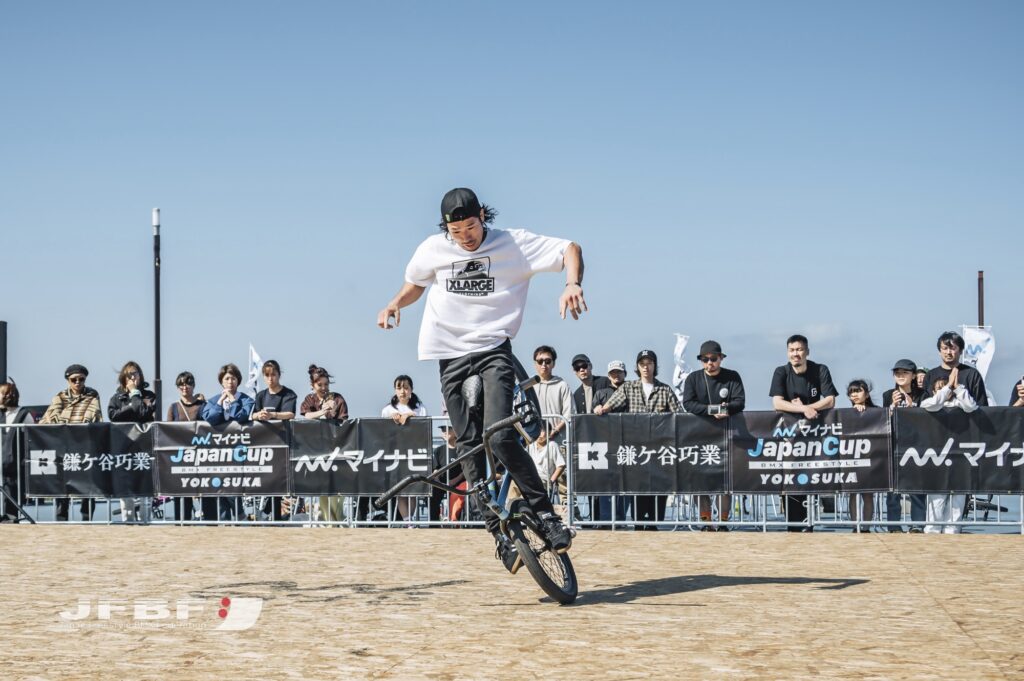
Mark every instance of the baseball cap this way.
pixel 906 365
pixel 580 358
pixel 647 354
pixel 710 348
pixel 459 204
pixel 75 369
pixel 616 365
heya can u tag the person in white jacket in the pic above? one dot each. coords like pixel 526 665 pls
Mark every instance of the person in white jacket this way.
pixel 946 508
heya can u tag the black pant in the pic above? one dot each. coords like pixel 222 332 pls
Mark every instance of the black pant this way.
pixel 207 504
pixel 796 510
pixel 496 370
pixel 650 507
pixel 61 505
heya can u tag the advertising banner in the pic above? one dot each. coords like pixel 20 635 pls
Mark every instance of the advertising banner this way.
pixel 90 460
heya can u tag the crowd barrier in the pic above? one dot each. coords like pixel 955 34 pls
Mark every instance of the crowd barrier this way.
pixel 843 457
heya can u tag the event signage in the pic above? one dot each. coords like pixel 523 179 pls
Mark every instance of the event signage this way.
pixel 362 456
pixel 90 460
pixel 649 453
pixel 952 451
pixel 195 458
pixel 842 450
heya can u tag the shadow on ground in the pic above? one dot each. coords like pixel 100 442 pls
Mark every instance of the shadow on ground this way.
pixel 667 586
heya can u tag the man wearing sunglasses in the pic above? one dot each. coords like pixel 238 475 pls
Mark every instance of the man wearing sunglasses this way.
pixel 717 393
pixel 75 404
pixel 593 390
pixel 481 277
pixel 553 393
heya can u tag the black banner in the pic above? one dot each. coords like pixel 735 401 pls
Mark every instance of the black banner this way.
pixel 649 453
pixel 843 450
pixel 951 451
pixel 363 456
pixel 90 460
pixel 195 458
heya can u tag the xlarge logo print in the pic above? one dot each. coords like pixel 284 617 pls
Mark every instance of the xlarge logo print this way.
pixel 471 277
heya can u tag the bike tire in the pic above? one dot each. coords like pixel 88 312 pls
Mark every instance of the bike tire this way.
pixel 552 571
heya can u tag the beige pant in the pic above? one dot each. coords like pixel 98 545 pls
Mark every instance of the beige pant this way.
pixel 332 509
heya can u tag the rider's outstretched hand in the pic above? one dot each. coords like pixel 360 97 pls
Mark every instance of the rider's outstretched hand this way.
pixel 384 317
pixel 572 300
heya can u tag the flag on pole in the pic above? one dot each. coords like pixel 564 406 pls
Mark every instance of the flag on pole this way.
pixel 681 371
pixel 255 366
pixel 980 348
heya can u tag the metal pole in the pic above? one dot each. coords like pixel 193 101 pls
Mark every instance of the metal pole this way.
pixel 3 352
pixel 981 297
pixel 156 314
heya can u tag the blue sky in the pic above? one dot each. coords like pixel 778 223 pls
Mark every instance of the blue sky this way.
pixel 736 171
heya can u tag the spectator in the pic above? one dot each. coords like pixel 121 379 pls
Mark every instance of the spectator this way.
pixel 11 413
pixel 552 393
pixel 801 387
pixel 275 402
pixel 616 373
pixel 947 508
pixel 550 462
pixel 133 402
pixel 404 405
pixel 859 393
pixel 951 346
pixel 75 404
pixel 443 454
pixel 188 408
pixel 919 376
pixel 906 393
pixel 1017 394
pixel 723 388
pixel 593 390
pixel 645 395
pixel 230 405
pixel 322 403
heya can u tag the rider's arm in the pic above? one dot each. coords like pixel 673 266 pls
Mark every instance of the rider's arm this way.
pixel 407 295
pixel 572 298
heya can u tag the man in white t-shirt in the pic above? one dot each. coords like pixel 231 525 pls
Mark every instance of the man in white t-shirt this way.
pixel 480 278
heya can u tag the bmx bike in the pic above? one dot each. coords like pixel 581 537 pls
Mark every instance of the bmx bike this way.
pixel 518 522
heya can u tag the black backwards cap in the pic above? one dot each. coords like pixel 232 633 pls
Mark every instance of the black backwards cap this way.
pixel 459 204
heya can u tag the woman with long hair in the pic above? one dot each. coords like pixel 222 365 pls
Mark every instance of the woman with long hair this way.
pixel 323 403
pixel 404 405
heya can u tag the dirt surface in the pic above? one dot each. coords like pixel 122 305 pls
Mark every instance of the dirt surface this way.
pixel 370 603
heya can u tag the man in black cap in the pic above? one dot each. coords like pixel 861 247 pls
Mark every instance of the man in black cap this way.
pixel 905 393
pixel 480 278
pixel 645 395
pixel 716 392
pixel 75 404
pixel 593 390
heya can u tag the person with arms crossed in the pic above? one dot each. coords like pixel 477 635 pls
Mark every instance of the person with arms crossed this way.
pixel 481 277
pixel 801 387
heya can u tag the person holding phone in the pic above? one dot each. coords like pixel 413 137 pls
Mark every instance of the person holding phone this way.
pixel 1017 394
pixel 907 392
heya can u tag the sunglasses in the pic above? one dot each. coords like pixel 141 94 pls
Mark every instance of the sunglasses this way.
pixel 544 361
pixel 77 379
pixel 579 367
pixel 708 359
pixel 186 383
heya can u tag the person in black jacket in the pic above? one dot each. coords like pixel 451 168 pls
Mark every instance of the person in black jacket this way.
pixel 723 388
pixel 11 413
pixel 593 390
pixel 950 346
pixel 133 402
pixel 906 393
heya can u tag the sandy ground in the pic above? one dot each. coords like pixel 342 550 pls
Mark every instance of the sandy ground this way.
pixel 367 603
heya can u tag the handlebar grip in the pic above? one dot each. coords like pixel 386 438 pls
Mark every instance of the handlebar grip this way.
pixel 504 423
pixel 380 502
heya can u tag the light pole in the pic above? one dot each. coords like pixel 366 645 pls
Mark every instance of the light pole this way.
pixel 156 313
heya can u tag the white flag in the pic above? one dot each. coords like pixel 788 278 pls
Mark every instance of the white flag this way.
pixel 980 347
pixel 255 366
pixel 681 371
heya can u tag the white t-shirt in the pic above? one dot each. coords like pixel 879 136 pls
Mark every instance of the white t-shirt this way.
pixel 547 459
pixel 477 298
pixel 388 411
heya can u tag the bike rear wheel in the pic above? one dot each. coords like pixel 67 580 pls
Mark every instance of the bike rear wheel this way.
pixel 552 571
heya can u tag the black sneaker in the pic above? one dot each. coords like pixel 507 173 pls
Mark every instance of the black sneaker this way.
pixel 558 534
pixel 506 552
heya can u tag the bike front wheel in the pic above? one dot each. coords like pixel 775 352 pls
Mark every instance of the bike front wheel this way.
pixel 552 571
